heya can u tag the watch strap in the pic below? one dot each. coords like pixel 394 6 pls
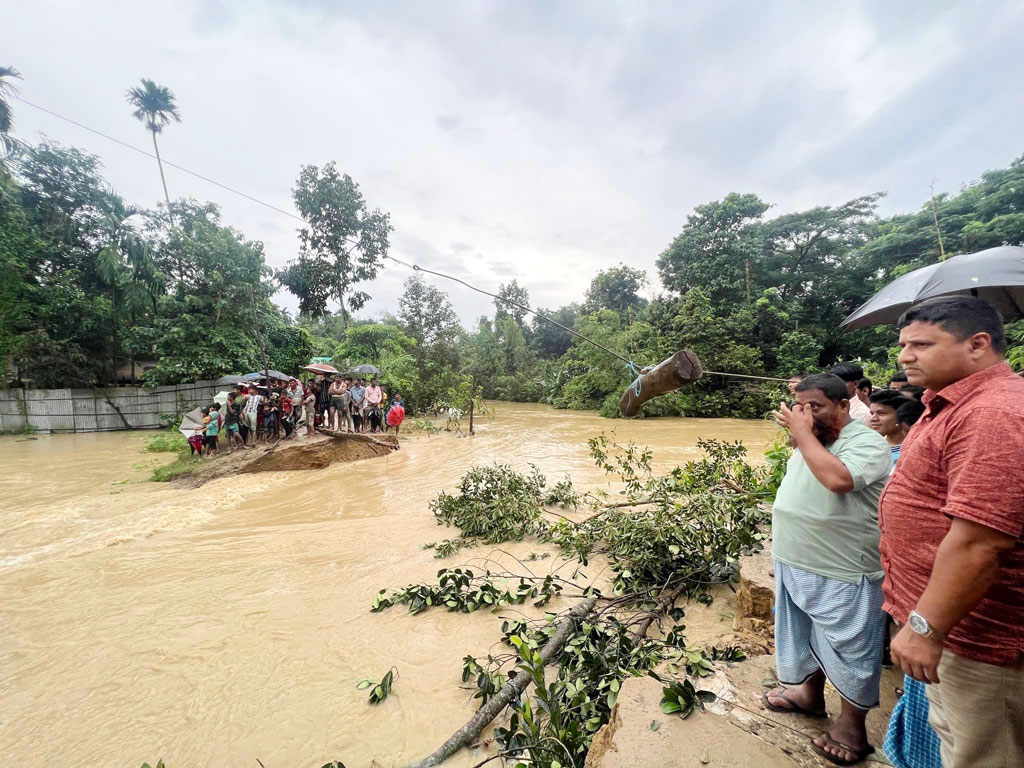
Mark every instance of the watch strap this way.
pixel 931 634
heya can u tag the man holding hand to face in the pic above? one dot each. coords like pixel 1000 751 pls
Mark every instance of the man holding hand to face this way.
pixel 828 573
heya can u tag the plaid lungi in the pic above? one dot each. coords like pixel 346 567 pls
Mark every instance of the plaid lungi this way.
pixel 832 625
pixel 910 742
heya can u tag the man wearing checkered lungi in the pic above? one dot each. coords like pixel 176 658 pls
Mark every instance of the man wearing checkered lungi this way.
pixel 828 573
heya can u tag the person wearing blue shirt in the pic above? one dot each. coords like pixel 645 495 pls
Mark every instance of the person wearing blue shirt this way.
pixel 358 397
pixel 883 405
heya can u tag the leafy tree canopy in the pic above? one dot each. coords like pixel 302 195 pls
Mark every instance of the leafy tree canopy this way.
pixel 617 288
pixel 342 247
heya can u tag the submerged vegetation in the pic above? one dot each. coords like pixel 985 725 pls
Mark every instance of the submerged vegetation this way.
pixel 669 536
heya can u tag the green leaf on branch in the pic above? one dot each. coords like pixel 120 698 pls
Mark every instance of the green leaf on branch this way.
pixel 382 689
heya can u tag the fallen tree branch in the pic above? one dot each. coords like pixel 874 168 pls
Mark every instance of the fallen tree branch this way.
pixel 621 504
pixel 607 508
pixel 664 603
pixel 510 691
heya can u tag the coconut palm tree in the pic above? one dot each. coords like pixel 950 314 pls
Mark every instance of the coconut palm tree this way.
pixel 7 88
pixel 155 108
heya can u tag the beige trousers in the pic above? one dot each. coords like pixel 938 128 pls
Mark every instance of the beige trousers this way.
pixel 977 710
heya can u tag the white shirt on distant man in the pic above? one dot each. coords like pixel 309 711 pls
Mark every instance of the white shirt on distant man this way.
pixel 859 411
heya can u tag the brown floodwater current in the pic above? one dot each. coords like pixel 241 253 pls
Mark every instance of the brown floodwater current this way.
pixel 218 625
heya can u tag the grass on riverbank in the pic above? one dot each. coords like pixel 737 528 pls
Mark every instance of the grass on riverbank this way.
pixel 171 441
pixel 181 466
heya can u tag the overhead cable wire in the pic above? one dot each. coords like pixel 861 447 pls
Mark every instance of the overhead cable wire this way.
pixel 503 300
pixel 163 160
pixel 628 362
pixel 415 267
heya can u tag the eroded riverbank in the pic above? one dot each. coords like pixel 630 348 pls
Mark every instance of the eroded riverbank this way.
pixel 217 625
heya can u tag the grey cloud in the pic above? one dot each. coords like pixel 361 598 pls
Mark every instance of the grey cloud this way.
pixel 449 122
pixel 541 141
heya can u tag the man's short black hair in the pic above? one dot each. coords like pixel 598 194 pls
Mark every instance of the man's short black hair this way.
pixel 831 385
pixel 798 375
pixel 909 412
pixel 898 377
pixel 889 397
pixel 864 384
pixel 216 406
pixel 913 391
pixel 847 372
pixel 961 316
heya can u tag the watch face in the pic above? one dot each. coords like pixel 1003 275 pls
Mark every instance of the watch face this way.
pixel 918 624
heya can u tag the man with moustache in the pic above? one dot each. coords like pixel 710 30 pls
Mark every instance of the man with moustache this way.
pixel 828 573
pixel 952 521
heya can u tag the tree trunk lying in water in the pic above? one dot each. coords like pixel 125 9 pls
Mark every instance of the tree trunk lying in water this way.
pixel 667 376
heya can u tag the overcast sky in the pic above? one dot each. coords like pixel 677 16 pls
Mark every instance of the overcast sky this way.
pixel 540 141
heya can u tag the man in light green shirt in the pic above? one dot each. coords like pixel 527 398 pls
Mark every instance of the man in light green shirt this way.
pixel 828 572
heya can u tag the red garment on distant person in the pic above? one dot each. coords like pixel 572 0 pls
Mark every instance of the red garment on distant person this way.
pixel 396 415
pixel 964 458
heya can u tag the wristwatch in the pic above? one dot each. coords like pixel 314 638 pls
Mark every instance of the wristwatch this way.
pixel 919 624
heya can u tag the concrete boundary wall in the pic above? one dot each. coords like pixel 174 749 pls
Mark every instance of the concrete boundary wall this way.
pixel 98 410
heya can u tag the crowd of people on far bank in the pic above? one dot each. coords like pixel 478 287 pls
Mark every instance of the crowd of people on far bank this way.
pixel 264 413
pixel 898 536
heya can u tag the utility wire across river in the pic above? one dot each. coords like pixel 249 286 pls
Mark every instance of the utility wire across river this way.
pixel 638 372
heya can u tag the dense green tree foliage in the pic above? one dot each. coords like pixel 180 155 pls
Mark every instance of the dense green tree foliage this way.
pixel 617 288
pixel 88 282
pixel 428 317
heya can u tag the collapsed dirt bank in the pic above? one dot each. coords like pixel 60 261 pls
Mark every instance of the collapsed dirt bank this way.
pixel 735 731
pixel 293 454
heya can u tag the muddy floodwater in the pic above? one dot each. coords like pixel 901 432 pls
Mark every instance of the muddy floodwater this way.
pixel 218 625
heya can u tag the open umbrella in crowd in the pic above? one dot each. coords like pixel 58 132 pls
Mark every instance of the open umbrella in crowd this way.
pixel 995 275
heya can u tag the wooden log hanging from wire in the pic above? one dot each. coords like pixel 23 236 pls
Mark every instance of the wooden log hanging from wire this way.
pixel 667 376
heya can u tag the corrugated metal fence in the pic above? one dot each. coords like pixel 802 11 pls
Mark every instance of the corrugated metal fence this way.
pixel 98 410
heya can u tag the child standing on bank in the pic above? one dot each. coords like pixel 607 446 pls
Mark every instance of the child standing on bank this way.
pixel 212 422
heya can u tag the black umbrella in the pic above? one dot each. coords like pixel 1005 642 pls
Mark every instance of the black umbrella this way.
pixel 262 375
pixel 229 379
pixel 995 275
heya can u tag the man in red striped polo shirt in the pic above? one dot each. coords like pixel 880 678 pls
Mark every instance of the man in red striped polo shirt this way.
pixel 952 520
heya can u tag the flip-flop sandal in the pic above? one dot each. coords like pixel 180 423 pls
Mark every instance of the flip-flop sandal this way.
pixel 793 708
pixel 835 759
